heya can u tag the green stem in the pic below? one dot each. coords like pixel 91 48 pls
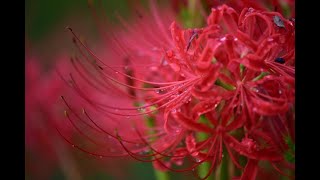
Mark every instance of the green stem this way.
pixel 224 172
pixel 224 85
pixel 150 122
pixel 263 74
pixel 160 175
pixel 192 11
pixel 204 168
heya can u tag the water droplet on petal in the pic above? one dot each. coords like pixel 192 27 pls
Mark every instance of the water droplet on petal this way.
pixel 179 162
pixel 250 9
pixel 223 39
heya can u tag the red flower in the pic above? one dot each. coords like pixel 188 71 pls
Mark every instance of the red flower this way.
pixel 236 73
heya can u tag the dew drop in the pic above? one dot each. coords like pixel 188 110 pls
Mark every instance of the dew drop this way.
pixel 73 145
pixel 173 110
pixel 270 39
pixel 250 9
pixel 223 39
pixel 280 92
pixel 100 157
pixel 178 131
pixel 179 162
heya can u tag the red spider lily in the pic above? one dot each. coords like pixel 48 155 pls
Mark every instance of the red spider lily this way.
pixel 237 73
pixel 266 5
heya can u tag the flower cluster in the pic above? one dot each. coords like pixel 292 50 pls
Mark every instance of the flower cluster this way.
pixel 183 97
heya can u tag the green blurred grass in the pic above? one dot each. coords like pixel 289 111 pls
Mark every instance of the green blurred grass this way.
pixel 42 16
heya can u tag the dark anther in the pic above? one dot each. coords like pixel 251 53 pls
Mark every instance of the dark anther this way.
pixel 194 35
pixel 278 21
pixel 279 60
